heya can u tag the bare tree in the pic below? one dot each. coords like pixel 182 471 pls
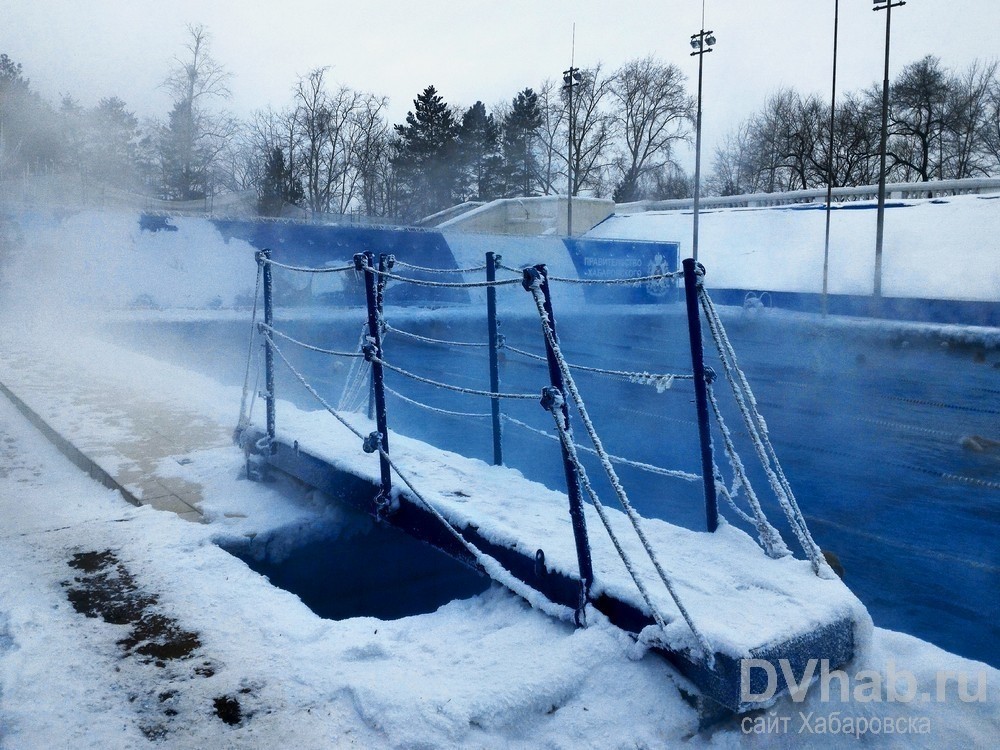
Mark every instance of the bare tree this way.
pixel 594 129
pixel 194 137
pixel 337 134
pixel 653 112
pixel 552 139
pixel 918 112
pixel 967 148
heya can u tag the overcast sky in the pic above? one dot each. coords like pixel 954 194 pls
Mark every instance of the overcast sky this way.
pixel 478 50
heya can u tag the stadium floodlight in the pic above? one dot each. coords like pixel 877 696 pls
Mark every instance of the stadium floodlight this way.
pixel 887 6
pixel 701 43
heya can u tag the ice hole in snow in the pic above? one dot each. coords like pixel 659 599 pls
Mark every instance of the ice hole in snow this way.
pixel 358 568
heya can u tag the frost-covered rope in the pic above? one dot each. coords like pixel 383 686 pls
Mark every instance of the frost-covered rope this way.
pixel 770 538
pixel 757 429
pixel 570 446
pixel 412 267
pixel 429 340
pixel 649 468
pixel 310 347
pixel 448 386
pixel 436 409
pixel 630 280
pixel 448 284
pixel 616 484
pixel 358 376
pixel 244 416
pixel 661 381
pixel 487 564
pixel 307 269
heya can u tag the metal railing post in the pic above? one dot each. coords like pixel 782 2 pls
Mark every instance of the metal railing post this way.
pixel 701 375
pixel 263 259
pixel 538 275
pixel 373 351
pixel 492 325
pixel 385 263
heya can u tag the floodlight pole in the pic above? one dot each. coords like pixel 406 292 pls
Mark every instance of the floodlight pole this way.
pixel 829 164
pixel 571 78
pixel 701 42
pixel 887 6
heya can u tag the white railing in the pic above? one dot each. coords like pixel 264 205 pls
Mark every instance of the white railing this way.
pixel 896 191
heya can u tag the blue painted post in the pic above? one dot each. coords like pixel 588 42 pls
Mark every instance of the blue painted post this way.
pixel 383 500
pixel 533 276
pixel 263 259
pixel 691 284
pixel 492 325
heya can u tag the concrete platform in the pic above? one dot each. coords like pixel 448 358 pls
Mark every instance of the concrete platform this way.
pixel 137 431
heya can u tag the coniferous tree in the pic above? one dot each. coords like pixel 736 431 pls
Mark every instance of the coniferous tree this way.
pixel 520 130
pixel 194 137
pixel 279 187
pixel 29 127
pixel 425 157
pixel 479 150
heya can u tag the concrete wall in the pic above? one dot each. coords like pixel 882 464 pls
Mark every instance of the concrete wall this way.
pixel 531 217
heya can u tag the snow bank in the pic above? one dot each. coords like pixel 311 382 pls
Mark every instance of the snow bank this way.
pixel 942 248
pixel 104 259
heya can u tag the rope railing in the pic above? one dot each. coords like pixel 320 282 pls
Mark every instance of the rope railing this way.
pixel 610 282
pixel 429 340
pixel 534 284
pixel 661 381
pixel 619 460
pixel 445 284
pixel 769 537
pixel 449 386
pixel 436 409
pixel 309 269
pixel 310 347
pixel 369 362
pixel 474 269
pixel 757 429
pixel 487 564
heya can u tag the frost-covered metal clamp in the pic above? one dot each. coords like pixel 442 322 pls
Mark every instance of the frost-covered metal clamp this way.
pixel 372 443
pixel 552 398
pixel 531 278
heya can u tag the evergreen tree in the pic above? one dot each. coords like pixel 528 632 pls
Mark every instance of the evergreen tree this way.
pixel 194 138
pixel 279 186
pixel 425 158
pixel 520 129
pixel 29 127
pixel 479 148
pixel 111 143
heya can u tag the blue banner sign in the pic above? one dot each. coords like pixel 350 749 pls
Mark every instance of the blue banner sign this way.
pixel 626 259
